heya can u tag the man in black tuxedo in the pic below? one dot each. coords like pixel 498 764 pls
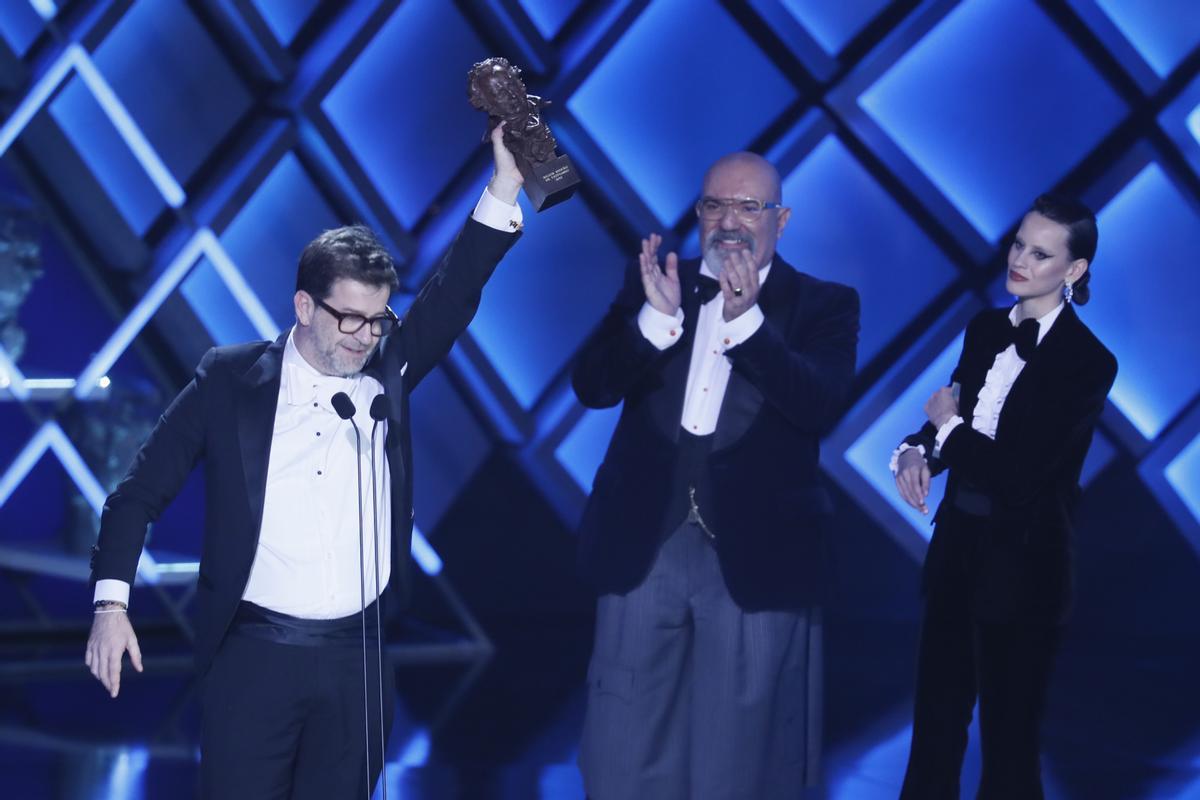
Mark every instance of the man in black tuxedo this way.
pixel 703 535
pixel 288 593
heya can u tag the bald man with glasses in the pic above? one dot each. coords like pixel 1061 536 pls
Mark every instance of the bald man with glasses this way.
pixel 703 536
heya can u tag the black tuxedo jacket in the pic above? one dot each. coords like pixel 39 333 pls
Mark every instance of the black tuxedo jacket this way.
pixel 1013 561
pixel 788 384
pixel 225 417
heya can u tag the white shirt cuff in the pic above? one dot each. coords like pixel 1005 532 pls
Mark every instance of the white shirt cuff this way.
pixel 661 330
pixel 110 589
pixel 497 214
pixel 894 464
pixel 943 432
pixel 742 328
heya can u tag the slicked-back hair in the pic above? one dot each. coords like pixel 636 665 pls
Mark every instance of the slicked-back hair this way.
pixel 1082 234
pixel 353 252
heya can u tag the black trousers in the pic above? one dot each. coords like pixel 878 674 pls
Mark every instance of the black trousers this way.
pixel 1007 666
pixel 287 721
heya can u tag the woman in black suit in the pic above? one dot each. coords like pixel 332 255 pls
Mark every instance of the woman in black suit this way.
pixel 1012 430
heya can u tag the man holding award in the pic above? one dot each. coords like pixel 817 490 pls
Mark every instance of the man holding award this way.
pixel 287 599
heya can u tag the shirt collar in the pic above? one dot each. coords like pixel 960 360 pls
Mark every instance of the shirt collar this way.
pixel 1044 322
pixel 301 383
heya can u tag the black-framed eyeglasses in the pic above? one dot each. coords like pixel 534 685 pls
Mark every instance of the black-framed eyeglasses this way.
pixel 747 209
pixel 381 325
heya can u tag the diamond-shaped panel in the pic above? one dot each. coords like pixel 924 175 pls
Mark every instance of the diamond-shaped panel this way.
pixel 190 99
pixel 19 24
pixel 582 450
pixel 663 146
pixel 107 155
pixel 845 228
pixel 547 296
pixel 264 240
pixel 286 19
pixel 392 110
pixel 448 447
pixel 990 125
pixel 1144 268
pixel 1163 31
pixel 833 25
pixel 1183 473
pixel 870 452
pixel 550 15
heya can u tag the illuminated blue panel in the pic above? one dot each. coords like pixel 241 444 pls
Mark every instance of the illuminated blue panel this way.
pixel 107 155
pixel 547 295
pixel 61 297
pixel 845 228
pixel 19 24
pixel 991 126
pixel 1145 265
pixel 834 24
pixel 190 97
pixel 411 137
pixel 870 453
pixel 664 148
pixel 550 15
pixel 1163 31
pixel 1184 475
pixel 1181 121
pixel 1099 456
pixel 265 239
pixel 448 446
pixel 216 307
pixel 582 450
pixel 286 17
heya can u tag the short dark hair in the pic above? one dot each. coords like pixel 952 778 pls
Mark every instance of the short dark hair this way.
pixel 352 251
pixel 1082 234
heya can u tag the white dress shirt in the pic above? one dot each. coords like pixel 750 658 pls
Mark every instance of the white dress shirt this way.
pixel 307 560
pixel 708 373
pixel 997 384
pixel 306 564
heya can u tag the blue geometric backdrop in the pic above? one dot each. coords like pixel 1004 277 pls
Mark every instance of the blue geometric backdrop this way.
pixel 179 154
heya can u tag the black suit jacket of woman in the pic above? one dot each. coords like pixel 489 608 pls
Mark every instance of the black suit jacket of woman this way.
pixel 225 417
pixel 1013 562
pixel 788 384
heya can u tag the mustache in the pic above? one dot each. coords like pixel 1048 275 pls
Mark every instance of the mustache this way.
pixel 732 237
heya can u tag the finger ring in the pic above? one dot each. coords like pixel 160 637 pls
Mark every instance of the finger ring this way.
pixel 737 291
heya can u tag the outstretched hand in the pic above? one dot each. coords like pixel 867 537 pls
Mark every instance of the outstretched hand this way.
pixel 506 178
pixel 662 288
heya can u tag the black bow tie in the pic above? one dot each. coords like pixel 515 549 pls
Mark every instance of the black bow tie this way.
pixel 707 288
pixel 1024 336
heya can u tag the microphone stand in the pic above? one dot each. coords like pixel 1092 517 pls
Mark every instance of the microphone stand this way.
pixel 344 407
pixel 379 411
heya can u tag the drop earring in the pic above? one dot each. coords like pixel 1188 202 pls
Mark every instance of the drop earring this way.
pixel 1068 292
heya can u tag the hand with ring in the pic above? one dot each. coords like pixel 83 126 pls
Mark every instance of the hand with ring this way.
pixel 739 283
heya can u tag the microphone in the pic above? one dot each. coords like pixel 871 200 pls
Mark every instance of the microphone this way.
pixel 380 407
pixel 344 407
pixel 379 411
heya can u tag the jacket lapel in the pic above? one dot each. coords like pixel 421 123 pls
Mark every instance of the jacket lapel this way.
pixel 258 396
pixel 743 400
pixel 1038 371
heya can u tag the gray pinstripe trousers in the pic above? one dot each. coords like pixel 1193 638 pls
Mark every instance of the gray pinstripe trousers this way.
pixel 691 698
